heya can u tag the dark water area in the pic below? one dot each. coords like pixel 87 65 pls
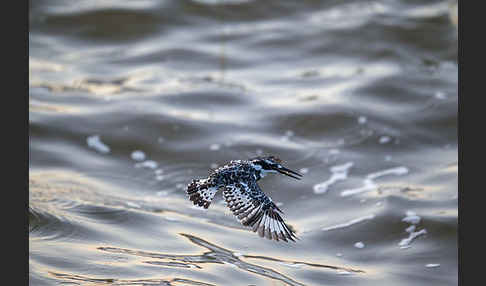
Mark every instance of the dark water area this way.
pixel 131 100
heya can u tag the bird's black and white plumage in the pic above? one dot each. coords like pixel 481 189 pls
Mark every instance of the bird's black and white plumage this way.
pixel 238 180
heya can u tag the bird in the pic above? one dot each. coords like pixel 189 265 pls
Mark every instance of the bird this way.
pixel 246 200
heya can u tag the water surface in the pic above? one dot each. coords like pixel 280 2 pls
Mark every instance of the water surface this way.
pixel 131 100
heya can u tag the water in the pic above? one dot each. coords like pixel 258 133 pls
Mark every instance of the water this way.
pixel 130 100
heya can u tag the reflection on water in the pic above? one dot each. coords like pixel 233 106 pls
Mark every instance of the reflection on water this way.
pixel 220 255
pixel 76 279
pixel 130 101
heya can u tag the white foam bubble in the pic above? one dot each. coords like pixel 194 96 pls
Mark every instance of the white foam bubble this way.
pixel 412 218
pixel 362 119
pixel 138 155
pixel 304 171
pixel 440 95
pixel 214 147
pixel 339 173
pixel 359 244
pixel 147 164
pixel 95 143
pixel 413 235
pixel 393 171
pixel 350 223
pixel 384 139
pixel 369 184
pixel 432 265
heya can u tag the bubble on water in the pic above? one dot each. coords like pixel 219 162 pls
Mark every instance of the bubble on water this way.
pixel 440 95
pixel 432 265
pixel 359 244
pixel 304 171
pixel 343 272
pixel 339 254
pixel 411 217
pixel 384 139
pixel 158 171
pixel 413 235
pixel 147 164
pixel 339 173
pixel 350 223
pixel 388 158
pixel 159 177
pixel 213 166
pixel 214 147
pixel 95 143
pixel 138 155
pixel 369 183
pixel 362 119
pixel 161 139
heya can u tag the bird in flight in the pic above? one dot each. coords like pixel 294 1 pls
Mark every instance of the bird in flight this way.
pixel 253 208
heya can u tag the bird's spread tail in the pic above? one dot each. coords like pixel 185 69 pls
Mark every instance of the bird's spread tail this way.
pixel 201 192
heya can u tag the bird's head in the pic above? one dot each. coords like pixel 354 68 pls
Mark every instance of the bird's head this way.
pixel 271 164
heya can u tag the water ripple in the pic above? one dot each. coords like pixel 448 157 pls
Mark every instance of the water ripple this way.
pixel 220 255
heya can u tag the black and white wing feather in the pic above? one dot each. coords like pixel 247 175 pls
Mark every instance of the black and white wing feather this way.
pixel 255 209
pixel 201 192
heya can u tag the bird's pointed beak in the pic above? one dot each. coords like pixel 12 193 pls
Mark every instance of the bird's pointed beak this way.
pixel 288 172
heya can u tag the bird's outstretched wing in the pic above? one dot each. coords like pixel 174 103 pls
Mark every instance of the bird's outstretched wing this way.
pixel 201 192
pixel 255 209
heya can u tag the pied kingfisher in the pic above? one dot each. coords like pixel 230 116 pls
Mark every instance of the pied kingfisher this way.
pixel 238 180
